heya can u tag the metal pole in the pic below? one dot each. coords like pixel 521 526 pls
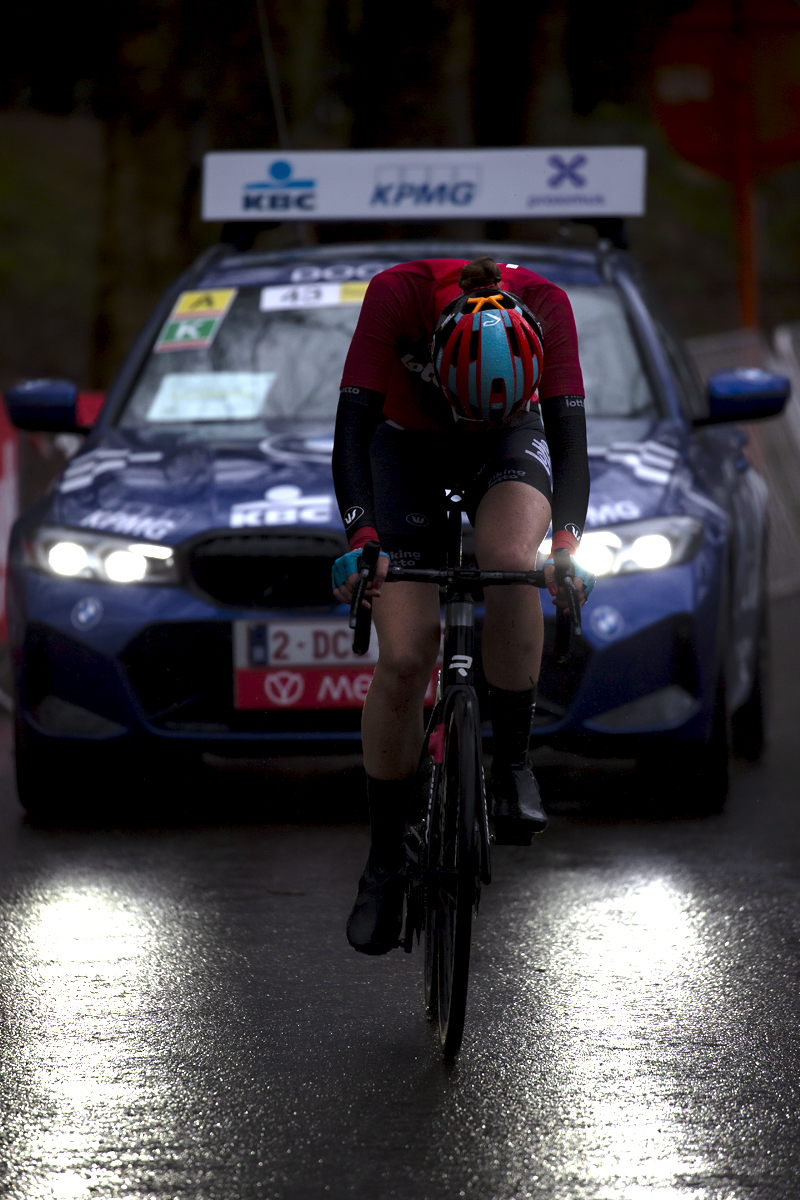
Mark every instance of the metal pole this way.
pixel 743 166
pixel 301 229
pixel 272 77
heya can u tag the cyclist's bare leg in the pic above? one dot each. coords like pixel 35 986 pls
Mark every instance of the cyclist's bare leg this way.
pixel 407 623
pixel 511 523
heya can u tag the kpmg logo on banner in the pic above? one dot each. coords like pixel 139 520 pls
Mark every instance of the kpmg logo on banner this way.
pixel 413 187
pixel 280 192
pixel 567 179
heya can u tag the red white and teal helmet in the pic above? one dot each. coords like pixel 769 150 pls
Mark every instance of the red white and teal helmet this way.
pixel 487 354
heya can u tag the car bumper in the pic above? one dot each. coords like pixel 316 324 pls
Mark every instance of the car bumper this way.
pixel 651 661
pixel 147 662
pixel 122 664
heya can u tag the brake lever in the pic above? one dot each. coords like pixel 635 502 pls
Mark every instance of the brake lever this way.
pixel 574 602
pixel 568 620
pixel 360 617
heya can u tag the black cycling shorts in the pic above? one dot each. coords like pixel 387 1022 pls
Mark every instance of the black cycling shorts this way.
pixel 411 469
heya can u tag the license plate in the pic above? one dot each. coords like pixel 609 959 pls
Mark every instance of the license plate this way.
pixel 301 665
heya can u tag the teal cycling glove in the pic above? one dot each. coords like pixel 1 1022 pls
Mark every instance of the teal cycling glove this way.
pixel 580 573
pixel 347 565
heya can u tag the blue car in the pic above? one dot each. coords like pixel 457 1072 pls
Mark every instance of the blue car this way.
pixel 170 597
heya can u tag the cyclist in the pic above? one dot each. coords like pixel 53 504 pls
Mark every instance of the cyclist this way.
pixel 465 371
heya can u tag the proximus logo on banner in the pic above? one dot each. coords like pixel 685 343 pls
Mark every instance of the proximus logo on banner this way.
pixel 568 174
pixel 279 192
pixel 407 187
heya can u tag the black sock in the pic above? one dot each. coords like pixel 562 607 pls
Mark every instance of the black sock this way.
pixel 389 801
pixel 512 717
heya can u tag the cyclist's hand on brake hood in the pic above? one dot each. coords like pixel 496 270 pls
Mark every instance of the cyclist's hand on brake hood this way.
pixel 584 582
pixel 344 576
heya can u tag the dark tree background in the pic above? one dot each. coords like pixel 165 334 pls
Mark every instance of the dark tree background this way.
pixel 107 110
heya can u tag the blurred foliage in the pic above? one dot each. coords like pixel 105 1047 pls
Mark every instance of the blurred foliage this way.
pixel 110 108
pixel 50 190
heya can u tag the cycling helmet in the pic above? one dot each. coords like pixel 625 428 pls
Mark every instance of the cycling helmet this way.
pixel 487 354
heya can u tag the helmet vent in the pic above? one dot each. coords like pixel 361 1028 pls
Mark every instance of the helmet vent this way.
pixel 474 339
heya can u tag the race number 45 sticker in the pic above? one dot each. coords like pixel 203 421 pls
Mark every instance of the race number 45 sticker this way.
pixel 195 319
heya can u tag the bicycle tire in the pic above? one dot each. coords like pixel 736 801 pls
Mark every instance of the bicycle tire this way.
pixel 454 867
pixel 429 772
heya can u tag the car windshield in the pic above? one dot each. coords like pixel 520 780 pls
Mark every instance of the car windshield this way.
pixel 613 374
pixel 237 357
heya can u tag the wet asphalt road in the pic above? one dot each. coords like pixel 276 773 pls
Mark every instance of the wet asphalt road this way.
pixel 183 1018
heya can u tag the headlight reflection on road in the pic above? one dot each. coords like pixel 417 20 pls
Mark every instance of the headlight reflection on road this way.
pixel 624 989
pixel 86 966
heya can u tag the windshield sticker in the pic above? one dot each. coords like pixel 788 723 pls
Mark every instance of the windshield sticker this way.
pixel 82 471
pixel 142 523
pixel 195 319
pixel 211 396
pixel 311 295
pixel 284 505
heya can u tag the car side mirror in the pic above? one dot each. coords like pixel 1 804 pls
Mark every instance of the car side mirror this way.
pixel 746 394
pixel 44 406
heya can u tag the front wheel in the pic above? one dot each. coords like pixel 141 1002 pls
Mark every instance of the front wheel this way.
pixel 749 723
pixel 691 777
pixel 453 870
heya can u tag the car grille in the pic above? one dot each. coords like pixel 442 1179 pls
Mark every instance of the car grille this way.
pixel 259 570
pixel 182 675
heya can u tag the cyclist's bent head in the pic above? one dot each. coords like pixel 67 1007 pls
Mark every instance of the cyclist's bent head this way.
pixel 486 348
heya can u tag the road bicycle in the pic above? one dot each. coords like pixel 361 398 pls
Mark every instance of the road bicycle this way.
pixel 447 834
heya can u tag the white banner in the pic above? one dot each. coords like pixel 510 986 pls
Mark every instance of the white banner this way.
pixel 423 185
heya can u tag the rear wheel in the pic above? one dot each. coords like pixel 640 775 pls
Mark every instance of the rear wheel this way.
pixel 453 857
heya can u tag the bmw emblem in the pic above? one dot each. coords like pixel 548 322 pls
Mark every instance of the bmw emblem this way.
pixel 87 613
pixel 607 622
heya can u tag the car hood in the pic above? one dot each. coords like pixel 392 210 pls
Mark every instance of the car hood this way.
pixel 170 487
pixel 635 466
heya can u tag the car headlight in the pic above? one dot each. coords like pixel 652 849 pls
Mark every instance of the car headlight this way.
pixel 637 546
pixel 79 554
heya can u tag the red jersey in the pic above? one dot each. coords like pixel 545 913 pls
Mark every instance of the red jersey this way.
pixel 390 350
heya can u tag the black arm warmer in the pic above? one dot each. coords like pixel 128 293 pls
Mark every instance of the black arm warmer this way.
pixel 564 420
pixel 357 417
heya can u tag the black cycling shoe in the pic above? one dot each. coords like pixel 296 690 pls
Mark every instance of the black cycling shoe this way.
pixel 517 809
pixel 373 926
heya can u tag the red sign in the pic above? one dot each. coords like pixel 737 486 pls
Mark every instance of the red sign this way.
pixel 727 85
pixel 307 687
